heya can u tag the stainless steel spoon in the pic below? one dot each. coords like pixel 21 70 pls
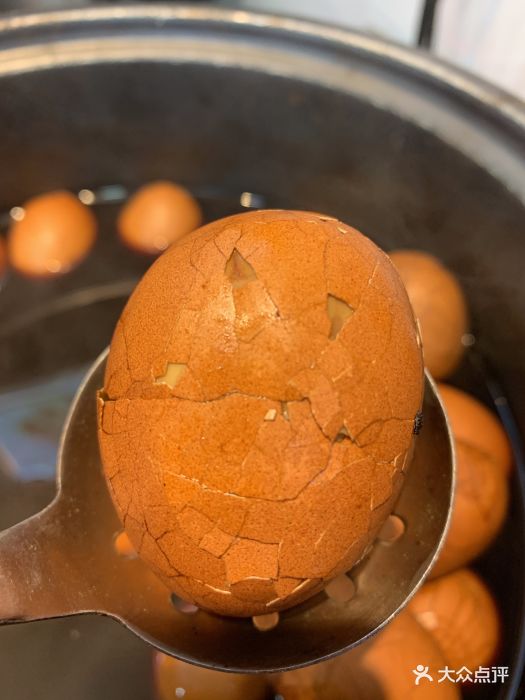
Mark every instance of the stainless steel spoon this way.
pixel 62 561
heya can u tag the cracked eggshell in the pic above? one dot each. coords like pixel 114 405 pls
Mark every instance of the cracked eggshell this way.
pixel 440 306
pixel 259 400
pixel 460 613
pixel 473 424
pixel 482 491
pixel 480 505
pixel 55 234
pixel 380 669
pixel 157 215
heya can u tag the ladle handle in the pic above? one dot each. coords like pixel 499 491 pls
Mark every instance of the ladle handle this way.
pixel 37 578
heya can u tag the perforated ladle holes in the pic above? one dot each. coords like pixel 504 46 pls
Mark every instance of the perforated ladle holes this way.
pixel 123 547
pixel 393 529
pixel 182 605
pixel 341 589
pixel 265 623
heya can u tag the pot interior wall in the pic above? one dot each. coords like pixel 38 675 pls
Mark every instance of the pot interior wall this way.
pixel 300 145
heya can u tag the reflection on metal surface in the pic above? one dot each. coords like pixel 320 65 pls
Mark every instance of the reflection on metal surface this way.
pixel 108 194
pixel 77 299
pixel 17 213
pixel 117 194
pixel 63 561
pixel 31 420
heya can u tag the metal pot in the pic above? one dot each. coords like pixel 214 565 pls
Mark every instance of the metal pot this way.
pixel 406 149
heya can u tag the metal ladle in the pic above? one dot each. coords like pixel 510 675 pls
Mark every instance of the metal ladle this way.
pixel 63 562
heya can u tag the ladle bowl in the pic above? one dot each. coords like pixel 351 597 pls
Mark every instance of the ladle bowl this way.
pixel 63 561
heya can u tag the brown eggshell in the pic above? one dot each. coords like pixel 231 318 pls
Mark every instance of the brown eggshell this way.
pixel 440 306
pixel 460 613
pixel 260 394
pixel 157 215
pixel 54 236
pixel 381 669
pixel 473 424
pixel 176 679
pixel 479 509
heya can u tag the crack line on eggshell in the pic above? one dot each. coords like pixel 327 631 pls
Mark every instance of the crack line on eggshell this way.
pixel 124 338
pixel 223 396
pixel 382 422
pixel 373 274
pixel 270 297
pixel 246 538
pixel 251 498
pixel 288 445
pixel 190 507
pixel 214 589
pixel 255 249
pixel 185 299
pixel 325 265
pixel 302 582
pixel 214 240
pixel 250 340
pixel 318 473
pixel 215 399
pixel 232 494
pixel 232 543
pixel 344 434
pixel 142 526
pixel 200 245
pixel 166 556
pixel 247 342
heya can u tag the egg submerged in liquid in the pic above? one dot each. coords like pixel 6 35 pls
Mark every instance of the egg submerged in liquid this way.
pixel 54 234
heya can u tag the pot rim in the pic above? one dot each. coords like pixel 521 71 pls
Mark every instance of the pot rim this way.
pixel 27 28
